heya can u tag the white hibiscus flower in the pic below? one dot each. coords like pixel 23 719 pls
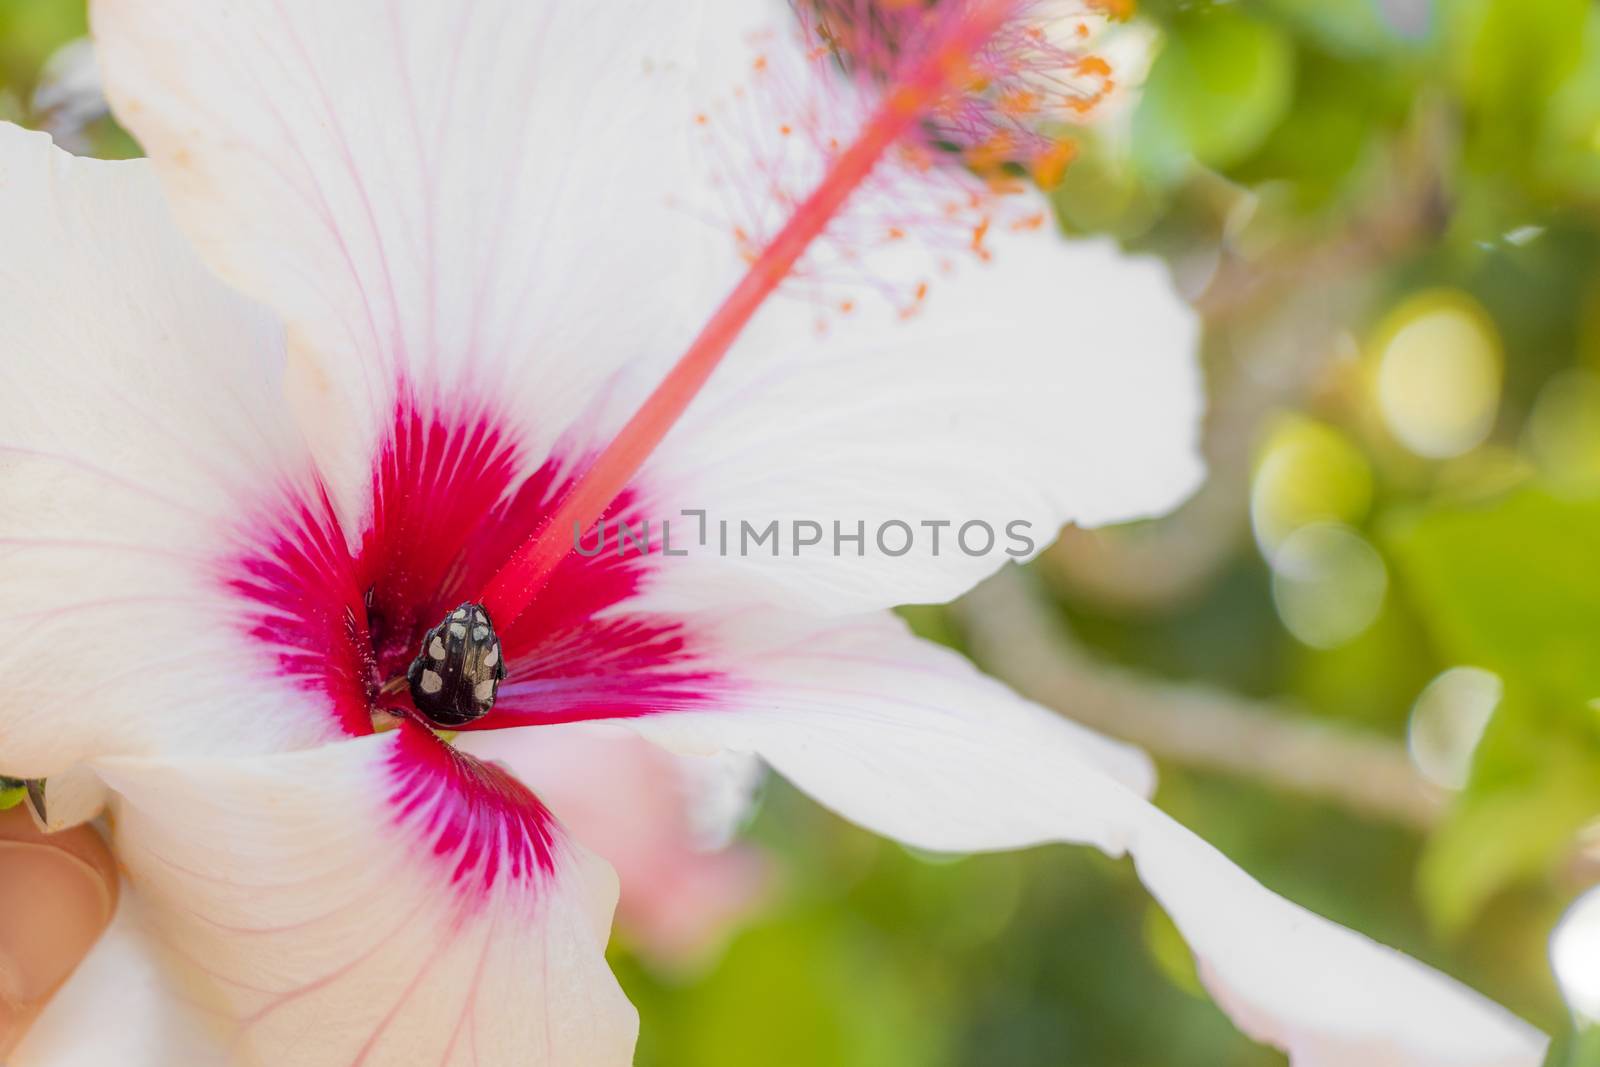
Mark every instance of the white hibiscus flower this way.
pixel 264 544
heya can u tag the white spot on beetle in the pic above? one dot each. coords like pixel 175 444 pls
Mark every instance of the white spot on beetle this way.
pixel 432 682
pixel 493 657
pixel 483 692
pixel 458 629
pixel 480 633
pixel 436 649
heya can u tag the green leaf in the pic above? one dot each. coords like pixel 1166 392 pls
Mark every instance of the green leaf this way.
pixel 804 989
pixel 1513 586
pixel 1582 1049
pixel 29 31
pixel 1344 27
pixel 1219 85
pixel 931 621
pixel 1506 60
pixel 1170 952
pixel 1569 153
pixel 1533 790
pixel 1511 54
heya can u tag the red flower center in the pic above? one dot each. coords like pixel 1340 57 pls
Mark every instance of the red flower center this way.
pixel 451 500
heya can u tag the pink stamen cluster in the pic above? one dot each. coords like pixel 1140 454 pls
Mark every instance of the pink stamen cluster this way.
pixel 948 183
pixel 1033 79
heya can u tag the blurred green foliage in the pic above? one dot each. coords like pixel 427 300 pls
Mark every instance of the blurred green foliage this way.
pixel 30 32
pixel 1461 142
pixel 1317 163
pixel 1247 69
pixel 1511 585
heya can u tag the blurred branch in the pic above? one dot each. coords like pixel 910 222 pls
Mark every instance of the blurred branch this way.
pixel 1012 634
pixel 1410 206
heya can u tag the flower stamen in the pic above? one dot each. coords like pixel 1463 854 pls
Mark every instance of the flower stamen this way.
pixel 945 71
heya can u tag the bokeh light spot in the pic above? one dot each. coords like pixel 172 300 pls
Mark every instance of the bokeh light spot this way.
pixel 1448 720
pixel 1563 434
pixel 1328 584
pixel 1438 374
pixel 1575 956
pixel 1307 471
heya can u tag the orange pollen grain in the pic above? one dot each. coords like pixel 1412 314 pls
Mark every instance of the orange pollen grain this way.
pixel 1019 103
pixel 1093 66
pixel 1051 167
pixel 979 232
pixel 991 153
pixel 1120 10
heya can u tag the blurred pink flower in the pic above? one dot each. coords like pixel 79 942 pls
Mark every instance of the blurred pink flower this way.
pixel 663 821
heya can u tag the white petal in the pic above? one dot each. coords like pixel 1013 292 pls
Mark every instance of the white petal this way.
pixel 469 197
pixel 142 425
pixel 121 1007
pixel 1326 995
pixel 1057 383
pixel 906 737
pixel 908 741
pixel 384 901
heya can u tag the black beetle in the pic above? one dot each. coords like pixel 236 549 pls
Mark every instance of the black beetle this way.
pixel 456 677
